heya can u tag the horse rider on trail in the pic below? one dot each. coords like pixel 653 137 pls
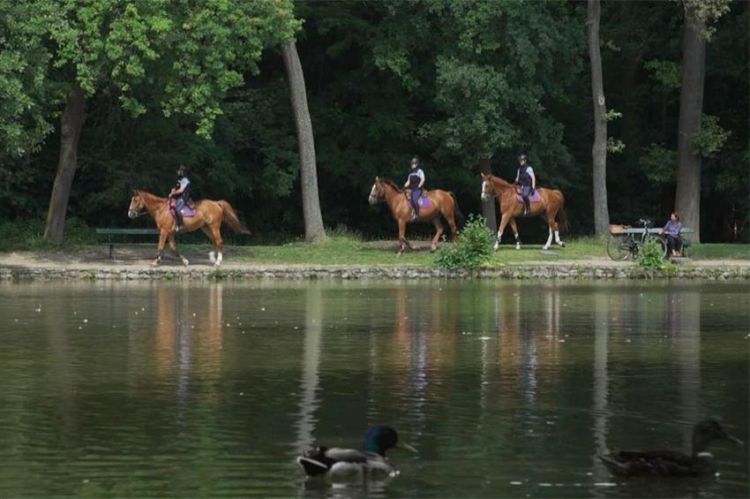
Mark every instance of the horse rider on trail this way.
pixel 527 180
pixel 180 195
pixel 414 183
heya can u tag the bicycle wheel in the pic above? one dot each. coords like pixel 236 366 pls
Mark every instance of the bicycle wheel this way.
pixel 662 244
pixel 618 247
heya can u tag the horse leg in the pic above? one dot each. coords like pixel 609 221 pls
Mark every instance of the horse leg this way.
pixel 454 229
pixel 438 232
pixel 211 254
pixel 514 228
pixel 173 247
pixel 557 235
pixel 503 222
pixel 160 247
pixel 401 237
pixel 218 243
pixel 549 239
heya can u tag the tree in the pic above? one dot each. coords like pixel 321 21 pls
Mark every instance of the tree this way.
pixel 492 69
pixel 599 149
pixel 179 57
pixel 698 16
pixel 314 229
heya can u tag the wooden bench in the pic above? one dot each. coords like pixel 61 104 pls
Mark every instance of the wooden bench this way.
pixel 111 232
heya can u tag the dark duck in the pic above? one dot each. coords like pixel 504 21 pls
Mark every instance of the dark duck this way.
pixel 339 464
pixel 671 463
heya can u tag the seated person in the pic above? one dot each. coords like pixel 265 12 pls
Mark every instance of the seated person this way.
pixel 672 231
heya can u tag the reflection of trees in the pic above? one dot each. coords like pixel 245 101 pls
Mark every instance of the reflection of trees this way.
pixel 310 367
pixel 684 318
pixel 601 382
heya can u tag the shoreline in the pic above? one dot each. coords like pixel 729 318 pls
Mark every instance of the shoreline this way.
pixel 43 271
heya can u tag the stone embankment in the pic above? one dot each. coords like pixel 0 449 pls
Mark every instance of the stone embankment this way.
pixel 542 270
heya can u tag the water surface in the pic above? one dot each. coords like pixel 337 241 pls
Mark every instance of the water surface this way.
pixel 506 389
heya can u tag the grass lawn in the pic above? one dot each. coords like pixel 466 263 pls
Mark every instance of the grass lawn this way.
pixel 347 250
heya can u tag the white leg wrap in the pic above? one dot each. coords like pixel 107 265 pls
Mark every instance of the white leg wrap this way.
pixel 549 240
pixel 212 256
pixel 557 237
pixel 219 258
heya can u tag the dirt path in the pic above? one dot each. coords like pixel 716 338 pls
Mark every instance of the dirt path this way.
pixel 140 256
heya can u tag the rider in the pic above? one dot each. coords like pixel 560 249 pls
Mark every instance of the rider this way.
pixel 181 195
pixel 527 180
pixel 414 183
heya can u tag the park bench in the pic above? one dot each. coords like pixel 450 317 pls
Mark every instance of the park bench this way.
pixel 624 241
pixel 111 233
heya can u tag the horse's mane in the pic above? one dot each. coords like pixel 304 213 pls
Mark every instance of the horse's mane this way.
pixel 501 181
pixel 149 195
pixel 392 184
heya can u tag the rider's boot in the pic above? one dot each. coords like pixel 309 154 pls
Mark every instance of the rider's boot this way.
pixel 179 221
pixel 525 206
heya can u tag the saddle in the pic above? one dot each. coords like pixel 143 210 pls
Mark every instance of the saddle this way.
pixel 424 200
pixel 534 198
pixel 186 211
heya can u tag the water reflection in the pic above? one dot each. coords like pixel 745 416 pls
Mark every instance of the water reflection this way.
pixel 507 389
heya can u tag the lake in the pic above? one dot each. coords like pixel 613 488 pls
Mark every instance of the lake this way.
pixel 507 389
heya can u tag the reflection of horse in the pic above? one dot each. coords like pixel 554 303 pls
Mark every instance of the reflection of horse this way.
pixel 208 217
pixel 548 206
pixel 437 202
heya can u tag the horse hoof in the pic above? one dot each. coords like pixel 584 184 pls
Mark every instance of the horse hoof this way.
pixel 212 257
pixel 433 249
pixel 496 247
pixel 562 244
pixel 518 246
pixel 155 263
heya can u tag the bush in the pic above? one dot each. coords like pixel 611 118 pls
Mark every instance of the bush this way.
pixel 651 255
pixel 473 248
pixel 28 235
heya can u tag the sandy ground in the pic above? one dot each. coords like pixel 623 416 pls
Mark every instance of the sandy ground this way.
pixel 140 255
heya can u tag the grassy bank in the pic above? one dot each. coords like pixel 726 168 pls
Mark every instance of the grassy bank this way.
pixel 340 248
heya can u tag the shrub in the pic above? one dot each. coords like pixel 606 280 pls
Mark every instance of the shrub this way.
pixel 473 248
pixel 651 255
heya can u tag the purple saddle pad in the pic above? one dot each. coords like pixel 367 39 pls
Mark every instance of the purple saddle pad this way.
pixel 187 211
pixel 534 198
pixel 424 202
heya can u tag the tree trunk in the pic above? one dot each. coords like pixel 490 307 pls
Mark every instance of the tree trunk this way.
pixel 71 125
pixel 314 230
pixel 599 150
pixel 488 207
pixel 688 197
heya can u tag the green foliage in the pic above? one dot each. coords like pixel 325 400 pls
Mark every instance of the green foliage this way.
pixel 473 248
pixel 666 73
pixel 711 137
pixel 24 235
pixel 612 115
pixel 658 164
pixel 651 255
pixel 615 145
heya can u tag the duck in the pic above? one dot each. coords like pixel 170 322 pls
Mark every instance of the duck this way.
pixel 672 463
pixel 341 464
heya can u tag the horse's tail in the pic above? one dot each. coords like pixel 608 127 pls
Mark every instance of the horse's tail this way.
pixel 562 217
pixel 232 219
pixel 460 219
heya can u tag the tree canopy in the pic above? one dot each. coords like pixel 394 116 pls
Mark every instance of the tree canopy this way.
pixel 203 83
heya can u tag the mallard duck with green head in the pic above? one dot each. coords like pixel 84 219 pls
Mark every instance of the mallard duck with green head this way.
pixel 672 463
pixel 340 464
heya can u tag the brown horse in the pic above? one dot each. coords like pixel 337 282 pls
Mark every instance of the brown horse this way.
pixel 549 207
pixel 208 217
pixel 440 203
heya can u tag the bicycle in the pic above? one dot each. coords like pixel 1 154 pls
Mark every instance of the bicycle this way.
pixel 626 242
